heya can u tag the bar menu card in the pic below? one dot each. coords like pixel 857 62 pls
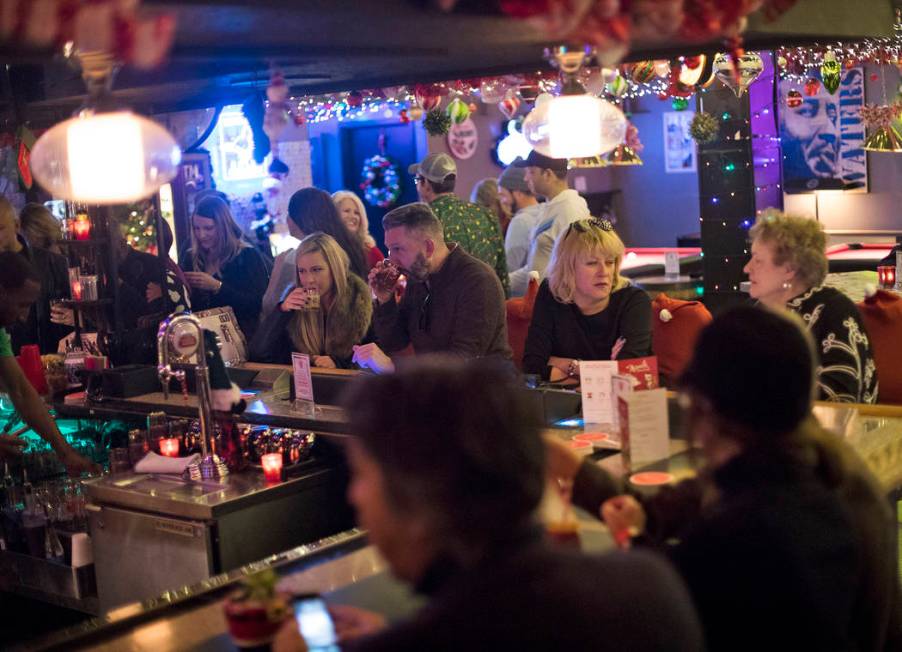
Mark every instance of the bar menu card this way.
pixel 595 384
pixel 303 383
pixel 644 430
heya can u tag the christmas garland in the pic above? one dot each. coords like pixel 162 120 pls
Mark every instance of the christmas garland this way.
pixel 380 182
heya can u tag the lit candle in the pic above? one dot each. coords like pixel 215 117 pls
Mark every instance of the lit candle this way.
pixel 75 289
pixel 886 276
pixel 272 466
pixel 170 447
pixel 82 227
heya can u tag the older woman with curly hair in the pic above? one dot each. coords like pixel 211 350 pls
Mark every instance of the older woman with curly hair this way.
pixel 787 271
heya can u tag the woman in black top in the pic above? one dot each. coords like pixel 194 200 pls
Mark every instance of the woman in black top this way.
pixel 222 268
pixel 585 310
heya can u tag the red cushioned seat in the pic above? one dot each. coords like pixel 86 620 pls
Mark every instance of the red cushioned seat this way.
pixel 882 316
pixel 519 316
pixel 674 336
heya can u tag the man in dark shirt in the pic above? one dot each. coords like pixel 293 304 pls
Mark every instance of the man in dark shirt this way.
pixel 453 303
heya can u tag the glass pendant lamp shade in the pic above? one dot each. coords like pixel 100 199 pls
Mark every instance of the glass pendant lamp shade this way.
pixel 575 126
pixel 105 157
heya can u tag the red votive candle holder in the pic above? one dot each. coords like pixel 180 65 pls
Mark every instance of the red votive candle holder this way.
pixel 81 227
pixel 886 276
pixel 169 447
pixel 272 466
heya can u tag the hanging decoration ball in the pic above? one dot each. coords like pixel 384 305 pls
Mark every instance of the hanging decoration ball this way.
pixel 663 95
pixel 793 99
pixel 427 97
pixel 749 67
pixel 812 87
pixel 394 93
pixel 277 91
pixel 509 105
pixel 704 128
pixel 472 106
pixel 781 61
pixel 662 68
pixel 457 111
pixel 299 119
pixel 617 87
pixel 402 115
pixel 437 123
pixel 692 62
pixel 643 72
pixel 542 98
pixel 492 90
pixel 355 99
pixel 679 103
pixel 830 72
pixel 415 112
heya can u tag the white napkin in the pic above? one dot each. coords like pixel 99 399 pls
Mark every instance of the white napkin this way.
pixel 153 463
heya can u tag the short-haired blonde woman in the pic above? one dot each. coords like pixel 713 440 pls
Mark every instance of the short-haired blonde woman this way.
pixel 787 271
pixel 353 215
pixel 40 228
pixel 585 310
pixel 323 314
pixel 223 268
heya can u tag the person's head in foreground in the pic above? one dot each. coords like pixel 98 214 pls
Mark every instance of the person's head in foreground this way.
pixel 750 383
pixel 788 257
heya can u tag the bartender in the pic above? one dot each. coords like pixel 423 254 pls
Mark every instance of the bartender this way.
pixel 20 286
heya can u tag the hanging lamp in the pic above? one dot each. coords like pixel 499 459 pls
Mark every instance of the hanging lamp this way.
pixel 104 154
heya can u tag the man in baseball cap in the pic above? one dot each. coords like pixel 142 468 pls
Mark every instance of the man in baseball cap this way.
pixel 514 193
pixel 473 227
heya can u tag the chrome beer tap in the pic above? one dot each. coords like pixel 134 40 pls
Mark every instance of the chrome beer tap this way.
pixel 183 333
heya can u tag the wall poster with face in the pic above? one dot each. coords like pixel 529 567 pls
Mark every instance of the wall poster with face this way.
pixel 822 135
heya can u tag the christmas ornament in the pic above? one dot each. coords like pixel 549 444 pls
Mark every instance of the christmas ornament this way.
pixel 415 112
pixel 704 128
pixel 679 103
pixel 492 90
pixel 793 99
pixel 355 99
pixel 395 93
pixel 277 91
pixel 380 182
pixel 830 72
pixel 886 137
pixel 812 87
pixel 738 80
pixel 609 74
pixel 693 62
pixel 643 72
pixel 402 115
pixel 299 119
pixel 781 61
pixel 463 139
pixel 427 97
pixel 617 87
pixel 457 111
pixel 662 68
pixel 509 105
pixel 437 123
pixel 472 106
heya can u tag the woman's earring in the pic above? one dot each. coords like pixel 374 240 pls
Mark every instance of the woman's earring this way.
pixel 787 285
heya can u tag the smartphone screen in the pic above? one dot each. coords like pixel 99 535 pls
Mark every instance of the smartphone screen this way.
pixel 315 622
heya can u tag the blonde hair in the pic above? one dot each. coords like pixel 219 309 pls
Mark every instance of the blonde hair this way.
pixel 580 238
pixel 797 241
pixel 229 237
pixel 306 326
pixel 39 227
pixel 363 229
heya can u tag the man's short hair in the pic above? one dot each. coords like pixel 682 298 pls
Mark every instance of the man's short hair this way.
pixel 458 445
pixel 16 271
pixel 445 185
pixel 414 217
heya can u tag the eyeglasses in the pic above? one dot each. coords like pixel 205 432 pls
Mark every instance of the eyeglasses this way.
pixel 419 179
pixel 424 313
pixel 584 226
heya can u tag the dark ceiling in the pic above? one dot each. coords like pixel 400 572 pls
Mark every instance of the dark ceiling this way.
pixel 224 49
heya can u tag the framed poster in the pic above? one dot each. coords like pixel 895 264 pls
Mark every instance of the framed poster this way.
pixel 822 135
pixel 679 147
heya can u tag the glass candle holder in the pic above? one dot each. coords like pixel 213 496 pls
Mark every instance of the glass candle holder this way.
pixel 272 466
pixel 81 227
pixel 169 447
pixel 886 276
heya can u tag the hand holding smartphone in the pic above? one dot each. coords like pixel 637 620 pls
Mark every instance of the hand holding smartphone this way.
pixel 315 623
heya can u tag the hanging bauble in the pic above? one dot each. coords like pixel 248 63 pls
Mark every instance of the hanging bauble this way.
pixel 662 68
pixel 781 61
pixel 509 105
pixel 663 95
pixel 457 111
pixel 492 90
pixel 415 112
pixel 643 71
pixel 793 99
pixel 594 82
pixel 812 87
pixel 277 91
pixel 704 128
pixel 542 98
pixel 617 87
pixel 691 75
pixel 299 119
pixel 609 74
pixel 679 103
pixel 403 117
pixel 749 68
pixel 472 106
pixel 355 99
pixel 437 123
pixel 693 62
pixel 395 93
pixel 830 72
pixel 427 96
pixel 882 121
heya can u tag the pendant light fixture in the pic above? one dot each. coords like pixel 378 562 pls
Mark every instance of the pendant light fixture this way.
pixel 574 124
pixel 104 154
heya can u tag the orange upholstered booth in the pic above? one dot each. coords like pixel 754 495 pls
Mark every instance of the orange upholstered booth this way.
pixel 675 328
pixel 882 316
